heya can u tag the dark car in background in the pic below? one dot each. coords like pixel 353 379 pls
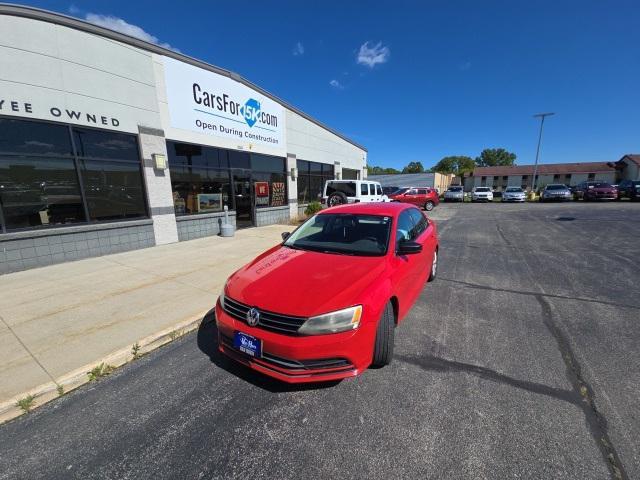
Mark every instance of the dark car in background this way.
pixel 389 190
pixel 594 190
pixel 629 189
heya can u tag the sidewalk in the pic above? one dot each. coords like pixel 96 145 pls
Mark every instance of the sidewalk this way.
pixel 57 322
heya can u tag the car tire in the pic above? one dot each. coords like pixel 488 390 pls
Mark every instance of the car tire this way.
pixel 336 198
pixel 383 345
pixel 434 267
pixel 428 206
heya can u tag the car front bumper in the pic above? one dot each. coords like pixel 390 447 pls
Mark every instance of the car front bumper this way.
pixel 300 359
pixel 477 198
pixel 520 198
pixel 457 198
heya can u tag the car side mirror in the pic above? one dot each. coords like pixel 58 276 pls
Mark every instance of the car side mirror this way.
pixel 285 235
pixel 408 247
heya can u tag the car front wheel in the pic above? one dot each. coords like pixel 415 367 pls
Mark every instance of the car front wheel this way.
pixel 429 206
pixel 383 346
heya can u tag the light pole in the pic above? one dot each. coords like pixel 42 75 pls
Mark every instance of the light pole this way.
pixel 541 116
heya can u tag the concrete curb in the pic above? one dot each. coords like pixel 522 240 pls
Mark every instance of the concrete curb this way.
pixel 70 381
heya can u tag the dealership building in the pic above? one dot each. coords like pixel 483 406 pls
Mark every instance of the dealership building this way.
pixel 109 143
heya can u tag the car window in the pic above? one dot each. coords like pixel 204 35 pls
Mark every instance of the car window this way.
pixel 405 226
pixel 348 188
pixel 378 189
pixel 347 234
pixel 412 191
pixel 420 222
pixel 514 189
pixel 422 191
pixel 363 189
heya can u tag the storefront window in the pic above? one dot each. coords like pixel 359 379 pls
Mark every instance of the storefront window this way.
pixel 311 179
pixel 41 168
pixel 200 190
pixel 270 180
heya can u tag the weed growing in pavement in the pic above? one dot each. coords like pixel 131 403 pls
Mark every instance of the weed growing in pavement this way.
pixel 135 350
pixel 175 334
pixel 60 390
pixel 26 403
pixel 100 371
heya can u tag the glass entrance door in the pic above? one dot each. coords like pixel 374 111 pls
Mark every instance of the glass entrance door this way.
pixel 243 197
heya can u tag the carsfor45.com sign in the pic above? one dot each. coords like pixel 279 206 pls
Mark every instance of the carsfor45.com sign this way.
pixel 205 102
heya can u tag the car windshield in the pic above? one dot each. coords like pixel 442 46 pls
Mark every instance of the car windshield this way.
pixel 400 191
pixel 556 187
pixel 514 190
pixel 455 189
pixel 602 185
pixel 348 234
pixel 482 189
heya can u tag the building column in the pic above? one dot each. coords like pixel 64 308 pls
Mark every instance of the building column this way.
pixel 337 171
pixel 292 185
pixel 158 182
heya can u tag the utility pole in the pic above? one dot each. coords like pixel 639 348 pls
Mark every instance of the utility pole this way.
pixel 541 116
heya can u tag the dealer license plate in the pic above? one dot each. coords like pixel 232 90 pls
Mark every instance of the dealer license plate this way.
pixel 248 344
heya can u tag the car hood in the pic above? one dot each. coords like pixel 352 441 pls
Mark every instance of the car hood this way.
pixel 603 189
pixel 303 283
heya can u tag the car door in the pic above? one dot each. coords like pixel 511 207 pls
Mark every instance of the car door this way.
pixel 364 193
pixel 404 266
pixel 372 192
pixel 424 234
pixel 410 196
pixel 379 193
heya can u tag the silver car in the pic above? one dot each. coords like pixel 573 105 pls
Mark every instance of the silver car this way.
pixel 454 194
pixel 556 191
pixel 513 194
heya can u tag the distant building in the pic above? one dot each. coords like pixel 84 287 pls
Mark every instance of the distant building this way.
pixel 629 167
pixel 499 178
pixel 438 181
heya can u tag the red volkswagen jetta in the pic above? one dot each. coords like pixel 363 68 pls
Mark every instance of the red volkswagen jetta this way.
pixel 323 305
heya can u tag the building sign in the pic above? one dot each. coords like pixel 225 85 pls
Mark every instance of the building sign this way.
pixel 277 194
pixel 262 193
pixel 205 102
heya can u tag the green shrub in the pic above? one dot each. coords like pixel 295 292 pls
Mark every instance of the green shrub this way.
pixel 312 208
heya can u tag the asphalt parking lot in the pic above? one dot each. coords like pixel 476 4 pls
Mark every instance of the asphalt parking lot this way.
pixel 519 361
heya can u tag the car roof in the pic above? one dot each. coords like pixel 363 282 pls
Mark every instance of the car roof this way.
pixel 374 208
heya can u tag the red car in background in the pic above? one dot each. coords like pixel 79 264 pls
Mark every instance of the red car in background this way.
pixel 423 197
pixel 323 305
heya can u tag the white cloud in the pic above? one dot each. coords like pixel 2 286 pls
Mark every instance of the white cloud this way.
pixel 73 10
pixel 119 25
pixel 370 55
pixel 336 84
pixel 298 49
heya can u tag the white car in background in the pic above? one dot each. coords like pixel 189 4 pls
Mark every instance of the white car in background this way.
pixel 513 194
pixel 481 194
pixel 454 193
pixel 339 192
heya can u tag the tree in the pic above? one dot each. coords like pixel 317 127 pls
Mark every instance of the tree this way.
pixel 495 157
pixel 373 170
pixel 413 167
pixel 458 165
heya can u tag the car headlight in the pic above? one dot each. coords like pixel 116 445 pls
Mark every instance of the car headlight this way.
pixel 221 297
pixel 334 322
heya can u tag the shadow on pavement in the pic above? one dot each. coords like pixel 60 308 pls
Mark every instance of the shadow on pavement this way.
pixel 207 339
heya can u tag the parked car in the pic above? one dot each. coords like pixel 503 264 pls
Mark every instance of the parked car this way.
pixel 339 192
pixel 426 198
pixel 593 190
pixel 481 194
pixel 513 194
pixel 555 191
pixel 366 265
pixel 455 193
pixel 629 189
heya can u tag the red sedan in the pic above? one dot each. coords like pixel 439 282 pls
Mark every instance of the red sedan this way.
pixel 323 305
pixel 426 198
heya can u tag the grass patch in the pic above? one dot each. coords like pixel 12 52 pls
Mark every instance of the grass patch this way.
pixel 60 390
pixel 26 403
pixel 135 350
pixel 99 371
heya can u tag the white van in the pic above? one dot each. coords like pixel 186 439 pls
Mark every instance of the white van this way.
pixel 338 192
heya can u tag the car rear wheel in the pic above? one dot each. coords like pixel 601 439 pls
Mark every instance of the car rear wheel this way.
pixel 429 206
pixel 434 267
pixel 336 198
pixel 383 346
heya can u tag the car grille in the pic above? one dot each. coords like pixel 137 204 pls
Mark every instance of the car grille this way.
pixel 274 322
pixel 299 365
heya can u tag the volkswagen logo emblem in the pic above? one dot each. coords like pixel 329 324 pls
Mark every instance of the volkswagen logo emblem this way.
pixel 253 316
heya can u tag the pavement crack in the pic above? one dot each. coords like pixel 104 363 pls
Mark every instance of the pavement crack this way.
pixel 432 363
pixel 596 421
pixel 534 294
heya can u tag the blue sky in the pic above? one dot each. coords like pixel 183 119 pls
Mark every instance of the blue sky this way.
pixel 416 81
